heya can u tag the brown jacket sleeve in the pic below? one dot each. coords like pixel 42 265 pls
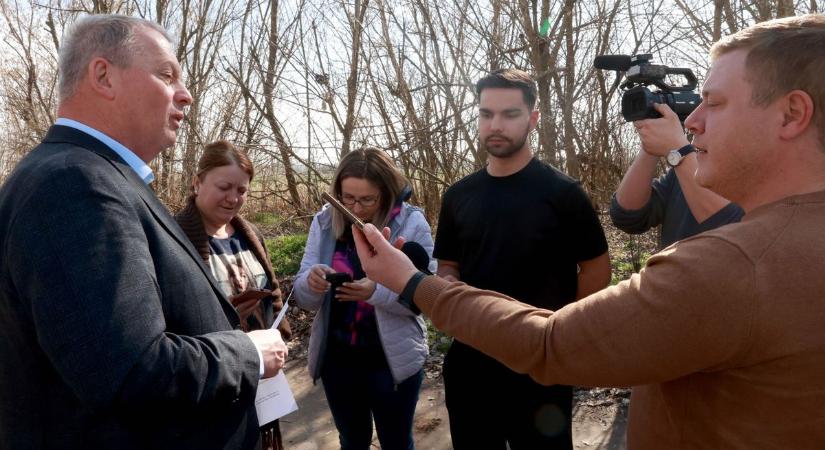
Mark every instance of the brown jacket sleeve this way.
pixel 689 310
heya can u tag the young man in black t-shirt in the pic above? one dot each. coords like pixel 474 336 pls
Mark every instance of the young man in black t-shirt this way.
pixel 556 252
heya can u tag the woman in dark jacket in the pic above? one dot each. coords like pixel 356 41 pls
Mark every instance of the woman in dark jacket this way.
pixel 233 248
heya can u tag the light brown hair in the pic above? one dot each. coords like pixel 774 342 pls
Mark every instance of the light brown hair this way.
pixel 223 153
pixel 783 55
pixel 375 166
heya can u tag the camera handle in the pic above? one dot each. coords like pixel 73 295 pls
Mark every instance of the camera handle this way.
pixel 687 73
pixel 689 77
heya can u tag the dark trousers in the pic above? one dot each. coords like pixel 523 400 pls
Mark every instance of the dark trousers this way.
pixel 490 405
pixel 356 396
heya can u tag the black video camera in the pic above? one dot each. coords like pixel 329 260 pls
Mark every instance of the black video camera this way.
pixel 637 99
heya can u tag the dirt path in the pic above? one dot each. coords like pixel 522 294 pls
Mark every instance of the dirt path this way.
pixel 599 417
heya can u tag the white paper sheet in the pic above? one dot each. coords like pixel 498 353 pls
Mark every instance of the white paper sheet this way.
pixel 282 314
pixel 274 399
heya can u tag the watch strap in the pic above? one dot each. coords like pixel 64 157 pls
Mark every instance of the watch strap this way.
pixel 408 294
pixel 686 150
pixel 681 152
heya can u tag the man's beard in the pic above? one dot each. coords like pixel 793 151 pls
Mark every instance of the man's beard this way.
pixel 509 150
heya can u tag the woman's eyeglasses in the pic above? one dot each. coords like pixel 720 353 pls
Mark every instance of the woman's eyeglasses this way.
pixel 366 202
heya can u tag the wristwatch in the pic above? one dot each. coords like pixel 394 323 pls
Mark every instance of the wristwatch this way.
pixel 676 156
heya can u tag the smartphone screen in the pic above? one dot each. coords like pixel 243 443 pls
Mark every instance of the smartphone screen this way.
pixel 343 209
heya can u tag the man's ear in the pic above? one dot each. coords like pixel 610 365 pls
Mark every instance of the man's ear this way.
pixel 101 76
pixel 797 113
pixel 534 119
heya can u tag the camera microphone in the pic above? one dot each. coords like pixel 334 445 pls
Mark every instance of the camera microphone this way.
pixel 417 255
pixel 612 62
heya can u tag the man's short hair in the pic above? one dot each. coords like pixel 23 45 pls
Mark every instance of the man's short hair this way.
pixel 109 36
pixel 512 79
pixel 783 55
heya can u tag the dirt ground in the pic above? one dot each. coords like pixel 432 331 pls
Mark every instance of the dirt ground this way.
pixel 600 415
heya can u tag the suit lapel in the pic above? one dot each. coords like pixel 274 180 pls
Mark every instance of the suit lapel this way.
pixel 61 134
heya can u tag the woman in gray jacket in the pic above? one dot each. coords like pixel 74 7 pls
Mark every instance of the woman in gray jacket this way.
pixel 367 349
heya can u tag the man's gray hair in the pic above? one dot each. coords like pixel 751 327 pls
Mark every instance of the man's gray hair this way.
pixel 110 36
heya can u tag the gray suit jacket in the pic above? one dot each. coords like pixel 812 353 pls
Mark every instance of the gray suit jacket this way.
pixel 113 333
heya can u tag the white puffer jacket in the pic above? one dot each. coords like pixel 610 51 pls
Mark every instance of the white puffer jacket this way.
pixel 402 333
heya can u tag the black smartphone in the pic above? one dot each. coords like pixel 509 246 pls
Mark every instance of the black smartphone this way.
pixel 343 209
pixel 338 278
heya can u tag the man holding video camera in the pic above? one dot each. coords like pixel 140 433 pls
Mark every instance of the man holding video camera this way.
pixel 721 334
pixel 675 201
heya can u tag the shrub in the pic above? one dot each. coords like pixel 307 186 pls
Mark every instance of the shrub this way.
pixel 265 218
pixel 438 341
pixel 286 253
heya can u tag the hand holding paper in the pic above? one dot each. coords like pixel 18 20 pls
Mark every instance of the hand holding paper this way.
pixel 273 349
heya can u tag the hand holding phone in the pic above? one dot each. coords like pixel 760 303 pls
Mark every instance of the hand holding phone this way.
pixel 355 291
pixel 338 278
pixel 247 302
pixel 248 295
pixel 343 210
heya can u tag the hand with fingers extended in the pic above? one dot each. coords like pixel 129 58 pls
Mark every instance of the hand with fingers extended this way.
pixel 316 280
pixel 358 290
pixel 659 136
pixel 382 262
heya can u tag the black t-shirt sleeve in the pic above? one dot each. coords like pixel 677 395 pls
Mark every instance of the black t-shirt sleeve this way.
pixel 587 235
pixel 447 246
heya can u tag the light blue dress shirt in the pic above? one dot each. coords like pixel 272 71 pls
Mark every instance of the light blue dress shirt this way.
pixel 138 165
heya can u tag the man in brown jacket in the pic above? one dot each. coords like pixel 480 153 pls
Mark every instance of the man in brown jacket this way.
pixel 721 334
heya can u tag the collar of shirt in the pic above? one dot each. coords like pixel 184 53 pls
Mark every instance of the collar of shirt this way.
pixel 138 165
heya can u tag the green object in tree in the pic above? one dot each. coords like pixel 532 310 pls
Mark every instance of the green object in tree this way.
pixel 545 28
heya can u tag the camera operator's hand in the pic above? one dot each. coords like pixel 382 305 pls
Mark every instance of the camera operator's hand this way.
pixel 659 136
pixel 316 281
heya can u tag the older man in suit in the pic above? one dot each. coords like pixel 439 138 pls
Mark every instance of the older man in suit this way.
pixel 113 334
